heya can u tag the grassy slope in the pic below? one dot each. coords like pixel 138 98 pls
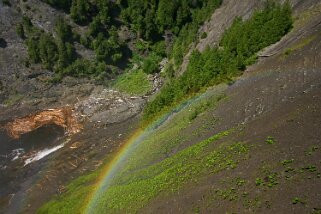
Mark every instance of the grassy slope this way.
pixel 171 174
pixel 133 83
pixel 155 171
pixel 236 175
pixel 74 199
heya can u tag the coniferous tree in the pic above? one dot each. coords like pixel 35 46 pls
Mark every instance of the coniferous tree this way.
pixel 47 51
pixel 33 50
pixel 20 31
pixel 79 11
pixel 63 30
pixel 165 14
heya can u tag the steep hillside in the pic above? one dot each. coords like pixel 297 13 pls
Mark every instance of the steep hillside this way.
pixel 245 139
pixel 225 15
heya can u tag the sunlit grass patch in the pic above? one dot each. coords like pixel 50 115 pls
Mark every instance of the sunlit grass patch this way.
pixel 133 83
pixel 72 201
pixel 171 174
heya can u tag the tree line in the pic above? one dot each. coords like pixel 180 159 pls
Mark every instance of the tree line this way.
pixel 238 48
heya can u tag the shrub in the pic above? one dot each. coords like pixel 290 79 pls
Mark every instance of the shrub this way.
pixel 134 83
pixel 27 24
pixel 83 68
pixel 151 64
pixel 159 48
pixel 63 30
pixel 48 51
pixel 33 50
pixel 20 31
pixel 204 35
pixel 79 11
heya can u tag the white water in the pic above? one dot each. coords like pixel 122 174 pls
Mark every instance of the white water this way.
pixel 43 153
pixel 17 153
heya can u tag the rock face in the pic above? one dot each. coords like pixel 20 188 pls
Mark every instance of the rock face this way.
pixel 108 106
pixel 61 117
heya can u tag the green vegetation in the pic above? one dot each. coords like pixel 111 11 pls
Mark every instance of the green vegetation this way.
pixel 232 192
pixel 203 106
pixel 151 64
pixel 270 179
pixel 54 54
pixel 20 31
pixel 48 51
pixel 311 150
pixel 259 182
pixel 170 175
pixel 85 68
pixel 266 27
pixel 63 30
pixel 156 159
pixel 57 53
pixel 178 21
pixel 227 194
pixel 171 138
pixel 73 200
pixel 13 99
pixel 79 11
pixel 192 81
pixel 270 140
pixel 213 66
pixel 310 168
pixel 170 16
pixel 297 200
pixel 189 32
pixel 124 177
pixel 204 35
pixel 316 211
pixel 287 162
pixel 134 83
pixel 108 50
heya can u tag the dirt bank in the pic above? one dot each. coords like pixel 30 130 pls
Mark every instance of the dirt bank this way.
pixel 63 117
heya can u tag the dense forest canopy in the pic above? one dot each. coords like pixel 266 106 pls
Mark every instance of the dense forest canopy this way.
pixel 150 20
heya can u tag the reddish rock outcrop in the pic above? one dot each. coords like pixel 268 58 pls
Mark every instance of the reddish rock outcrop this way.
pixel 61 117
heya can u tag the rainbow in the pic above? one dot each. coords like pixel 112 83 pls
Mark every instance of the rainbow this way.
pixel 111 169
